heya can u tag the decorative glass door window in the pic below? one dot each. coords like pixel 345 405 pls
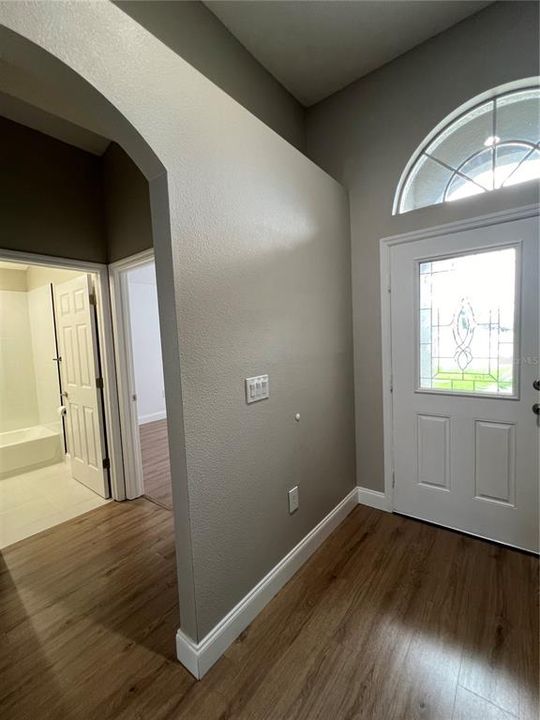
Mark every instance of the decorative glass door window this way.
pixel 467 323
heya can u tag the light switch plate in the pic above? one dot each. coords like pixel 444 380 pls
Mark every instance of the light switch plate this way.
pixel 257 388
pixel 294 500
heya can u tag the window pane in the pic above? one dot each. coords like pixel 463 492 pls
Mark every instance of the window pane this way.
pixel 507 160
pixel 425 185
pixel 466 323
pixel 518 116
pixel 528 170
pixel 464 137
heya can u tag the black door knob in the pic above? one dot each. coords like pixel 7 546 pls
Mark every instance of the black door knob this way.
pixel 536 384
pixel 536 408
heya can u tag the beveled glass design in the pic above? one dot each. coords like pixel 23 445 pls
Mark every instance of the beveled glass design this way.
pixel 495 144
pixel 466 323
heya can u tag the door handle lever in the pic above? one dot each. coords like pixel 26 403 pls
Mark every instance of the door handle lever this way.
pixel 536 408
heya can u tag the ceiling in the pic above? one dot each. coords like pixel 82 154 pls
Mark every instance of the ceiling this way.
pixel 316 47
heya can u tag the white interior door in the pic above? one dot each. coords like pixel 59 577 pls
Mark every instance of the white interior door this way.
pixel 77 338
pixel 465 348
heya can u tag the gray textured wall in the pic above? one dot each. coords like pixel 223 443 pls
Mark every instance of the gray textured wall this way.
pixel 253 277
pixel 364 136
pixel 192 31
pixel 50 196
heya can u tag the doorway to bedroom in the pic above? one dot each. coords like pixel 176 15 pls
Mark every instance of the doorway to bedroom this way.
pixel 140 379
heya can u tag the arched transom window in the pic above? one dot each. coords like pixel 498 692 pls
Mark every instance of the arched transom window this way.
pixel 493 145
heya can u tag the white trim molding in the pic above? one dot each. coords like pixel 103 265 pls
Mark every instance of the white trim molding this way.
pixel 123 349
pixel 198 658
pixel 375 499
pixel 152 417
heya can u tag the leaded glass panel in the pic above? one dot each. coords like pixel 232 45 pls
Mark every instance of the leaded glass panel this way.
pixel 466 323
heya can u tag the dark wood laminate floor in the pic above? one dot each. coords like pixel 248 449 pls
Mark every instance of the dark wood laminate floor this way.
pixel 390 619
pixel 155 461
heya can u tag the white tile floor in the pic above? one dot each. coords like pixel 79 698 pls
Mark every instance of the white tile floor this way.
pixel 39 500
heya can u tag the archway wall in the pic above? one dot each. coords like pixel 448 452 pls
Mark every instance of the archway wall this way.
pixel 253 263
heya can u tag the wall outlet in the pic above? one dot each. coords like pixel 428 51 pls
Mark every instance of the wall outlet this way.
pixel 294 500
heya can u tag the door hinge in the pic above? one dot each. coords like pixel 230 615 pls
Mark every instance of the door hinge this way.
pixel 99 383
pixel 106 464
pixel 393 479
pixel 92 299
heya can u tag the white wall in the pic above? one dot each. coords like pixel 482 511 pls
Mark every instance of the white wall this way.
pixel 18 402
pixel 146 343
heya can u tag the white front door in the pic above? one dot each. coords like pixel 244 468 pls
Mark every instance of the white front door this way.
pixel 465 348
pixel 77 339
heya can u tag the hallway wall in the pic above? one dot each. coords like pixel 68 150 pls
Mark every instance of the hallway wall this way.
pixel 253 277
pixel 50 196
pixel 59 200
pixel 128 217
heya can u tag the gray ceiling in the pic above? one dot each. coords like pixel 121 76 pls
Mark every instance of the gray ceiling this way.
pixel 315 47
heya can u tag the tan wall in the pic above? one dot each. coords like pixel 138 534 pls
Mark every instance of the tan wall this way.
pixel 364 136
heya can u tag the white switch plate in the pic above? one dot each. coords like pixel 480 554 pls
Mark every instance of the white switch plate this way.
pixel 294 500
pixel 257 388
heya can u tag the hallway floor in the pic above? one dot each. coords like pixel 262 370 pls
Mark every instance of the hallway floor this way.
pixel 40 499
pixel 155 461
pixel 391 619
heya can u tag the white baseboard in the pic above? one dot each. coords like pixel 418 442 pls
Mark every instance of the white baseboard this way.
pixel 152 417
pixel 198 658
pixel 374 499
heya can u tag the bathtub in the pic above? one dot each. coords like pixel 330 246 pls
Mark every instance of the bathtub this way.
pixel 29 448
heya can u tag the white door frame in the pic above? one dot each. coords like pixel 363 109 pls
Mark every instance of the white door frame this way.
pixel 105 337
pixel 125 366
pixel 386 245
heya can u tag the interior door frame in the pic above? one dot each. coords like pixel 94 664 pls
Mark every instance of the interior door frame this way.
pixel 106 352
pixel 125 365
pixel 385 246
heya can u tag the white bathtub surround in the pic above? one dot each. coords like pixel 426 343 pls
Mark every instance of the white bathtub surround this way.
pixel 28 449
pixel 18 407
pixel 43 351
pixel 41 499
